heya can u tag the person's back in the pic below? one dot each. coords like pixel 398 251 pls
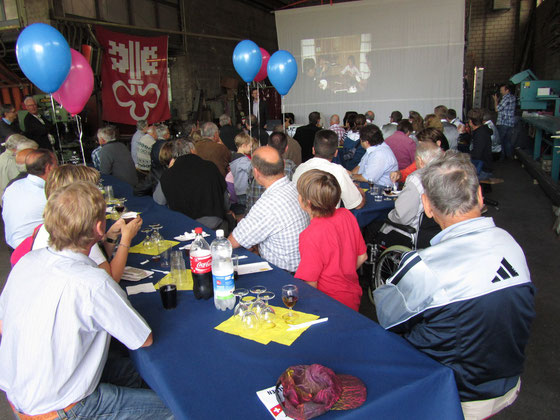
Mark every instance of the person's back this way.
pixel 115 159
pixel 194 187
pixel 306 134
pixel 403 148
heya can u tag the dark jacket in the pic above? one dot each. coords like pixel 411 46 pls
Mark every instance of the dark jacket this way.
pixel 194 187
pixel 305 136
pixel 37 131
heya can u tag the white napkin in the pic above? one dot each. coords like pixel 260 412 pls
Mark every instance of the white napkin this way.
pixel 140 288
pixel 189 236
pixel 135 274
pixel 253 268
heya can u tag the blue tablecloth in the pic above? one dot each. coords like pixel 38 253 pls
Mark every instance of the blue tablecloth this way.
pixel 202 373
pixel 373 210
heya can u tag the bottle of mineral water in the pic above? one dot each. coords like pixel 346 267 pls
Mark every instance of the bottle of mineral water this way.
pixel 222 272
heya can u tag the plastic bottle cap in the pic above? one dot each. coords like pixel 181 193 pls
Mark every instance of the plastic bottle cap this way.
pixel 198 230
pixel 220 233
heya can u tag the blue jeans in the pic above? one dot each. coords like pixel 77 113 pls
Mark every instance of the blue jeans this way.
pixel 122 398
pixel 505 138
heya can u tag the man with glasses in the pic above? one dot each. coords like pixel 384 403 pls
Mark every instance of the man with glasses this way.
pixel 8 126
pixel 37 127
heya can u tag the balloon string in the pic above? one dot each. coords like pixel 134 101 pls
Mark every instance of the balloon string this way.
pixel 249 109
pixel 283 112
pixel 57 130
pixel 80 134
pixel 259 114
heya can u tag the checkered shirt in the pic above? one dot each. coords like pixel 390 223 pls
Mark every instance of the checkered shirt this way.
pixel 95 157
pixel 506 111
pixel 274 223
pixel 340 132
pixel 255 190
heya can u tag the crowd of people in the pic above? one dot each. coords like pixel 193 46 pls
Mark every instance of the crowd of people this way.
pixel 464 297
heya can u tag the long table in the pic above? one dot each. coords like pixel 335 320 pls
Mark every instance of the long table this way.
pixel 202 373
pixel 372 210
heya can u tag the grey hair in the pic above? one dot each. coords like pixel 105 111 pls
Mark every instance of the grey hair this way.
pixel 209 129
pixel 107 133
pixel 428 152
pixel 182 147
pixel 451 184
pixel 14 141
pixel 225 119
pixel 161 130
pixel 141 125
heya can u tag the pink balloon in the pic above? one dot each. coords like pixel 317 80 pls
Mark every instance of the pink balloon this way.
pixel 261 75
pixel 76 89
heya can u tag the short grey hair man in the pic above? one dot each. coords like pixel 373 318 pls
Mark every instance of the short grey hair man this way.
pixel 209 129
pixel 162 132
pixel 141 125
pixel 451 187
pixel 182 147
pixel 107 134
pixel 224 120
pixel 17 142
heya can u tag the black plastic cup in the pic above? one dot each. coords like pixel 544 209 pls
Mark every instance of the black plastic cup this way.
pixel 168 294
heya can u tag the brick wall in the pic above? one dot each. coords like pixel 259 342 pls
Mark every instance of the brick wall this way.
pixel 209 60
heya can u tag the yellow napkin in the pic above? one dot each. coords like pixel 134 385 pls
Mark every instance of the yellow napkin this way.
pixel 165 244
pixel 168 279
pixel 365 189
pixel 279 333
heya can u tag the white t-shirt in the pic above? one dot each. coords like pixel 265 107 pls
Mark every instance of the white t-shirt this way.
pixel 42 238
pixel 350 196
pixel 59 312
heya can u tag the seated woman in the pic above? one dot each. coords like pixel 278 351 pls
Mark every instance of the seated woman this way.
pixel 378 161
pixel 67 174
pixel 352 150
pixel 331 247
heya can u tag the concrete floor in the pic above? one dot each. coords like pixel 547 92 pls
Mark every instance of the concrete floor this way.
pixel 526 213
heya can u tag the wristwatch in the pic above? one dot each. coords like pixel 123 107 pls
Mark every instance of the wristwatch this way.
pixel 110 240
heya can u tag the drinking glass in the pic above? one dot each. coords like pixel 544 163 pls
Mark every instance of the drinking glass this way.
pixel 250 320
pixel 147 242
pixel 371 184
pixel 290 294
pixel 109 195
pixel 268 314
pixel 178 269
pixel 119 205
pixel 241 305
pixel 157 241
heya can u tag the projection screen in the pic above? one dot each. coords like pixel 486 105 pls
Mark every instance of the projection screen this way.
pixel 380 55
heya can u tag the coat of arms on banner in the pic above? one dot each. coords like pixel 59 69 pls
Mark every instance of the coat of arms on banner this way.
pixel 134 77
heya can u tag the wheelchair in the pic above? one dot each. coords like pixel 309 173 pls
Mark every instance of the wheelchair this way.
pixel 385 256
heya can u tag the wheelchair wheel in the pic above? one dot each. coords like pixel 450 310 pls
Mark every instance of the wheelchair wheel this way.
pixel 386 266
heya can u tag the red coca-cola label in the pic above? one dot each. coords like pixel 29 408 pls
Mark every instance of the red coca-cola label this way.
pixel 201 265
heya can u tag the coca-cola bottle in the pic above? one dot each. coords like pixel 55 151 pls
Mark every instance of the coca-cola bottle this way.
pixel 201 266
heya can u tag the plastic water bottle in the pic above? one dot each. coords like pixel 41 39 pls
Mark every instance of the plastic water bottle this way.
pixel 222 272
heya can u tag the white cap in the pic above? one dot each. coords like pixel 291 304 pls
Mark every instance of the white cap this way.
pixel 220 233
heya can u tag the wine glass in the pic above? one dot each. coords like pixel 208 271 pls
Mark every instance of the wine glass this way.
pixel 241 305
pixel 268 314
pixel 147 242
pixel 119 205
pixel 157 241
pixel 290 294
pixel 371 184
pixel 250 320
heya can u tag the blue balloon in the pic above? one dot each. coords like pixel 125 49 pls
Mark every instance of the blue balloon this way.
pixel 282 71
pixel 44 56
pixel 247 60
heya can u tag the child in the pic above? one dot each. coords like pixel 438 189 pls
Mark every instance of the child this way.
pixel 241 166
pixel 332 247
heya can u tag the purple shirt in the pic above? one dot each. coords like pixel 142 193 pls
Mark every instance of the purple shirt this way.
pixel 403 148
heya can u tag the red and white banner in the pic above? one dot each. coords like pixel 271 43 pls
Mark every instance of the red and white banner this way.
pixel 134 76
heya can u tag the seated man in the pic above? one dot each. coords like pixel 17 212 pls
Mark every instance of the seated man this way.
pixel 255 190
pixel 211 148
pixel 276 220
pixel 23 201
pixel 401 144
pixel 467 301
pixel 378 162
pixel 408 206
pixel 195 187
pixel 8 167
pixel 325 149
pixel 115 158
pixel 55 346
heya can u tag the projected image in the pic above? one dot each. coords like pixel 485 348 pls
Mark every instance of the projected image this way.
pixel 341 65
